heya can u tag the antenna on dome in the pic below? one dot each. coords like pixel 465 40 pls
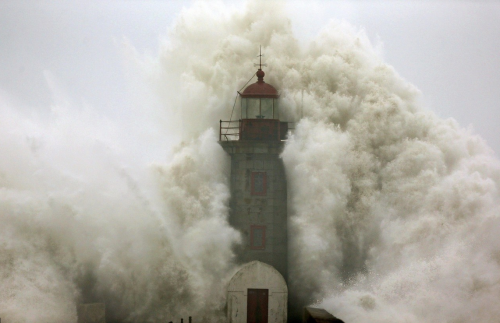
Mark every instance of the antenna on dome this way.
pixel 260 59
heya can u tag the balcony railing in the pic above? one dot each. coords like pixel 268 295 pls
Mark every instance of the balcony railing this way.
pixel 229 130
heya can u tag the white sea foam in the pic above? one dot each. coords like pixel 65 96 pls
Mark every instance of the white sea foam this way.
pixel 394 212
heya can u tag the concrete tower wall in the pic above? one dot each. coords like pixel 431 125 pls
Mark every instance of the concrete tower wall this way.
pixel 259 201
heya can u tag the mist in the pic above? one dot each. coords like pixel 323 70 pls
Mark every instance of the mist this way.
pixel 393 211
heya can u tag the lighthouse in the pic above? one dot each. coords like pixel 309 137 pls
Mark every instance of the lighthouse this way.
pixel 258 292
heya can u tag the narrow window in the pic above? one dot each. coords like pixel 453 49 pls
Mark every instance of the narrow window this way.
pixel 253 108
pixel 257 237
pixel 266 108
pixel 244 108
pixel 259 183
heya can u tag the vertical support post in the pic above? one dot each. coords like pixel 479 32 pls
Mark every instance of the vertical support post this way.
pixel 182 320
pixel 220 130
pixel 189 320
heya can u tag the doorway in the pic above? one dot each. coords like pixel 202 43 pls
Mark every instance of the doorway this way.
pixel 257 305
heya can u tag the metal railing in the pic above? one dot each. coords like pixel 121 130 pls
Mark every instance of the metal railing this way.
pixel 229 130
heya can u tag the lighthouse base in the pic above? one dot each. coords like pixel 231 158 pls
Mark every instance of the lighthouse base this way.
pixel 257 293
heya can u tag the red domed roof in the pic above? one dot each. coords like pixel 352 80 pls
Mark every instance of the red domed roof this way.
pixel 260 89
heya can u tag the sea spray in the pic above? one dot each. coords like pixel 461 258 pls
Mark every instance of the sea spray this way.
pixel 84 220
pixel 380 188
pixel 394 212
pixel 393 209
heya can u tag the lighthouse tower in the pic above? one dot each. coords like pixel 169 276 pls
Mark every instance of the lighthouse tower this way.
pixel 258 292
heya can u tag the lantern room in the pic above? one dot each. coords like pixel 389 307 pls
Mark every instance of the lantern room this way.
pixel 259 100
pixel 260 113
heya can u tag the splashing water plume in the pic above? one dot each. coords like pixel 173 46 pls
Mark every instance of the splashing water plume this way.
pixel 393 211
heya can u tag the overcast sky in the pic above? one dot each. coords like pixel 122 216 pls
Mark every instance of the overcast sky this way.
pixel 448 49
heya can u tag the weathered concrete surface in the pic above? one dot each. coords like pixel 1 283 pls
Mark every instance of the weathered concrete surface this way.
pixel 257 275
pixel 91 313
pixel 319 315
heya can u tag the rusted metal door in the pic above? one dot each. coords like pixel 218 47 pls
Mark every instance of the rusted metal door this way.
pixel 257 304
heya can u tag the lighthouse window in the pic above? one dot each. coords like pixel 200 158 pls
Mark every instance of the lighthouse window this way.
pixel 243 108
pixel 266 108
pixel 253 109
pixel 257 237
pixel 259 183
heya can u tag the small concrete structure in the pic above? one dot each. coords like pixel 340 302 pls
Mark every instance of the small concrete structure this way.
pixel 319 315
pixel 91 313
pixel 257 293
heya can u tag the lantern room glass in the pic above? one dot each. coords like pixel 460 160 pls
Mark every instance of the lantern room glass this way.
pixel 253 108
pixel 266 108
pixel 259 108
